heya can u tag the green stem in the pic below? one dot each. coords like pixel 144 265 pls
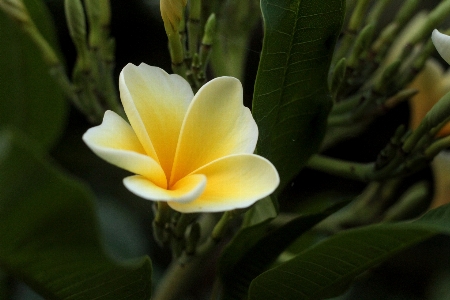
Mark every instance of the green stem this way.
pixel 433 20
pixel 217 290
pixel 438 113
pixel 194 26
pixel 340 120
pixel 346 105
pixel 356 20
pixel 176 54
pixel 162 217
pixel 235 20
pixel 216 235
pixel 376 11
pixel 228 56
pixel 182 272
pixel 177 278
pixel 437 147
pixel 341 168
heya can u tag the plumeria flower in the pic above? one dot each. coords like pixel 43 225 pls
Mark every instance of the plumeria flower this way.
pixel 193 151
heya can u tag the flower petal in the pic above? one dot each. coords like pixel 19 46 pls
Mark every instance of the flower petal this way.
pixel 442 43
pixel 187 189
pixel 115 141
pixel 155 103
pixel 235 181
pixel 217 124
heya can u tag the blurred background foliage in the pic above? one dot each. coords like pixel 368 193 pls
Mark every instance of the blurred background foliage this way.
pixel 422 272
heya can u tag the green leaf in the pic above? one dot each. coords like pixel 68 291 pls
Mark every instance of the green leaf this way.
pixel 30 99
pixel 49 234
pixel 260 212
pixel 291 99
pixel 5 286
pixel 328 267
pixel 238 266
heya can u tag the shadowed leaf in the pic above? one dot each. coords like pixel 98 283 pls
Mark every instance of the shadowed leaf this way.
pixel 48 232
pixel 326 268
pixel 30 99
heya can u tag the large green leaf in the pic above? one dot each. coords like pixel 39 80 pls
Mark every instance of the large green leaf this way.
pixel 239 266
pixel 29 99
pixel 291 99
pixel 48 232
pixel 325 269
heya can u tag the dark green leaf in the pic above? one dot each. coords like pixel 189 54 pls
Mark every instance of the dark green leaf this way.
pixel 30 99
pixel 238 266
pixel 323 270
pixel 291 99
pixel 5 286
pixel 48 232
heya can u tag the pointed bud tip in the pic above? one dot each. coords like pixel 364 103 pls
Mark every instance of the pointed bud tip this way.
pixel 172 12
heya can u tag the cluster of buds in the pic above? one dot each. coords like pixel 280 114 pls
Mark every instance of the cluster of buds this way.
pixel 372 72
pixel 91 87
pixel 189 60
pixel 18 12
pixel 92 75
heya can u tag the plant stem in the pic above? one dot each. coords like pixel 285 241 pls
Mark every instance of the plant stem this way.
pixel 217 290
pixel 182 272
pixel 177 278
pixel 342 168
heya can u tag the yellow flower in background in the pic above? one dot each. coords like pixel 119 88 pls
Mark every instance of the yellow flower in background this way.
pixel 441 83
pixel 194 152
pixel 432 84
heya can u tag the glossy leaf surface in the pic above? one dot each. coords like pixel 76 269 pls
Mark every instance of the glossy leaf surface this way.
pixel 241 266
pixel 325 269
pixel 291 99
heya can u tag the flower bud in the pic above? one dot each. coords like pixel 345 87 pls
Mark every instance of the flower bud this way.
pixel 210 30
pixel 76 22
pixel 99 16
pixel 338 76
pixel 171 13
